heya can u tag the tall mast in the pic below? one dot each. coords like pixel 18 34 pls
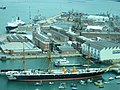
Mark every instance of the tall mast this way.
pixel 88 56
pixel 24 63
pixel 49 57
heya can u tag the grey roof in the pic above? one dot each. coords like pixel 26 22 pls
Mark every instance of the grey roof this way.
pixel 102 44
pixel 64 48
pixel 18 46
pixel 57 33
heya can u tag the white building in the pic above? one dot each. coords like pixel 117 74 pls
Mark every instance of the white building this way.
pixel 102 50
pixel 94 28
pixel 98 18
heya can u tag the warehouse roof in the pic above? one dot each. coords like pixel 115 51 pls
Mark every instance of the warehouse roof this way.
pixel 102 44
pixel 18 47
pixel 66 48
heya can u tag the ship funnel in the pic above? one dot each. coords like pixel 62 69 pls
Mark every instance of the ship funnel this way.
pixel 74 69
pixel 64 70
pixel 18 18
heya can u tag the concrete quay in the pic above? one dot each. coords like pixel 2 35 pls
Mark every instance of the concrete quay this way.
pixel 39 56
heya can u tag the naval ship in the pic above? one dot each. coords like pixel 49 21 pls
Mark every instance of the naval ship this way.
pixel 14 24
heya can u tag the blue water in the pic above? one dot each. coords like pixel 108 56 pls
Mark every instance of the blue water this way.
pixel 47 8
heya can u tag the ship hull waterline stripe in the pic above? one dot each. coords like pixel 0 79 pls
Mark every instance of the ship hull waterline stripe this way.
pixel 48 80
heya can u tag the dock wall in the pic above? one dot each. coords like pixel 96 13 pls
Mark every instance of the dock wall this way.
pixel 40 56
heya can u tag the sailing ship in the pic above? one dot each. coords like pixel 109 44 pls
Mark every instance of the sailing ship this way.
pixel 35 75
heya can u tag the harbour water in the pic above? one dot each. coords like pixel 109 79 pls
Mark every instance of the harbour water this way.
pixel 29 8
pixel 42 63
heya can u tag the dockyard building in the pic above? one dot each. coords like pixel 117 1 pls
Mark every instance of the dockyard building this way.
pixel 72 36
pixel 56 28
pixel 98 18
pixel 16 48
pixel 82 39
pixel 101 50
pixel 41 41
pixel 66 32
pixel 58 36
pixel 66 49
pixel 16 38
pixel 96 28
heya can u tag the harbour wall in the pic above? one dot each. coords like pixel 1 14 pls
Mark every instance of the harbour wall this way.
pixel 38 56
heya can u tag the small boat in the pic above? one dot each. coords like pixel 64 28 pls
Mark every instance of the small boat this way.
pixel 51 83
pixel 38 84
pixel 62 61
pixel 73 85
pixel 62 86
pixel 117 77
pixel 99 83
pixel 82 82
pixel 74 88
pixel 118 82
pixel 101 86
pixel 36 89
pixel 2 7
pixel 106 82
pixel 111 78
pixel 89 80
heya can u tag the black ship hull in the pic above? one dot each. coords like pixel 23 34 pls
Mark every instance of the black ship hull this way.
pixel 56 77
pixel 9 28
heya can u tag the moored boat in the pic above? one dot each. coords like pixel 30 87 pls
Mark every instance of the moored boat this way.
pixel 54 75
pixel 3 7
pixel 62 61
pixel 99 83
pixel 62 86
pixel 111 78
pixel 74 88
pixel 14 24
pixel 117 77
pixel 38 83
pixel 51 83
pixel 118 82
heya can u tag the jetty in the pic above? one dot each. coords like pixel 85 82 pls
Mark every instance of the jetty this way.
pixel 116 70
pixel 113 68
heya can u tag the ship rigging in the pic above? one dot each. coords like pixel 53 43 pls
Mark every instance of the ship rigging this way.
pixel 33 75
